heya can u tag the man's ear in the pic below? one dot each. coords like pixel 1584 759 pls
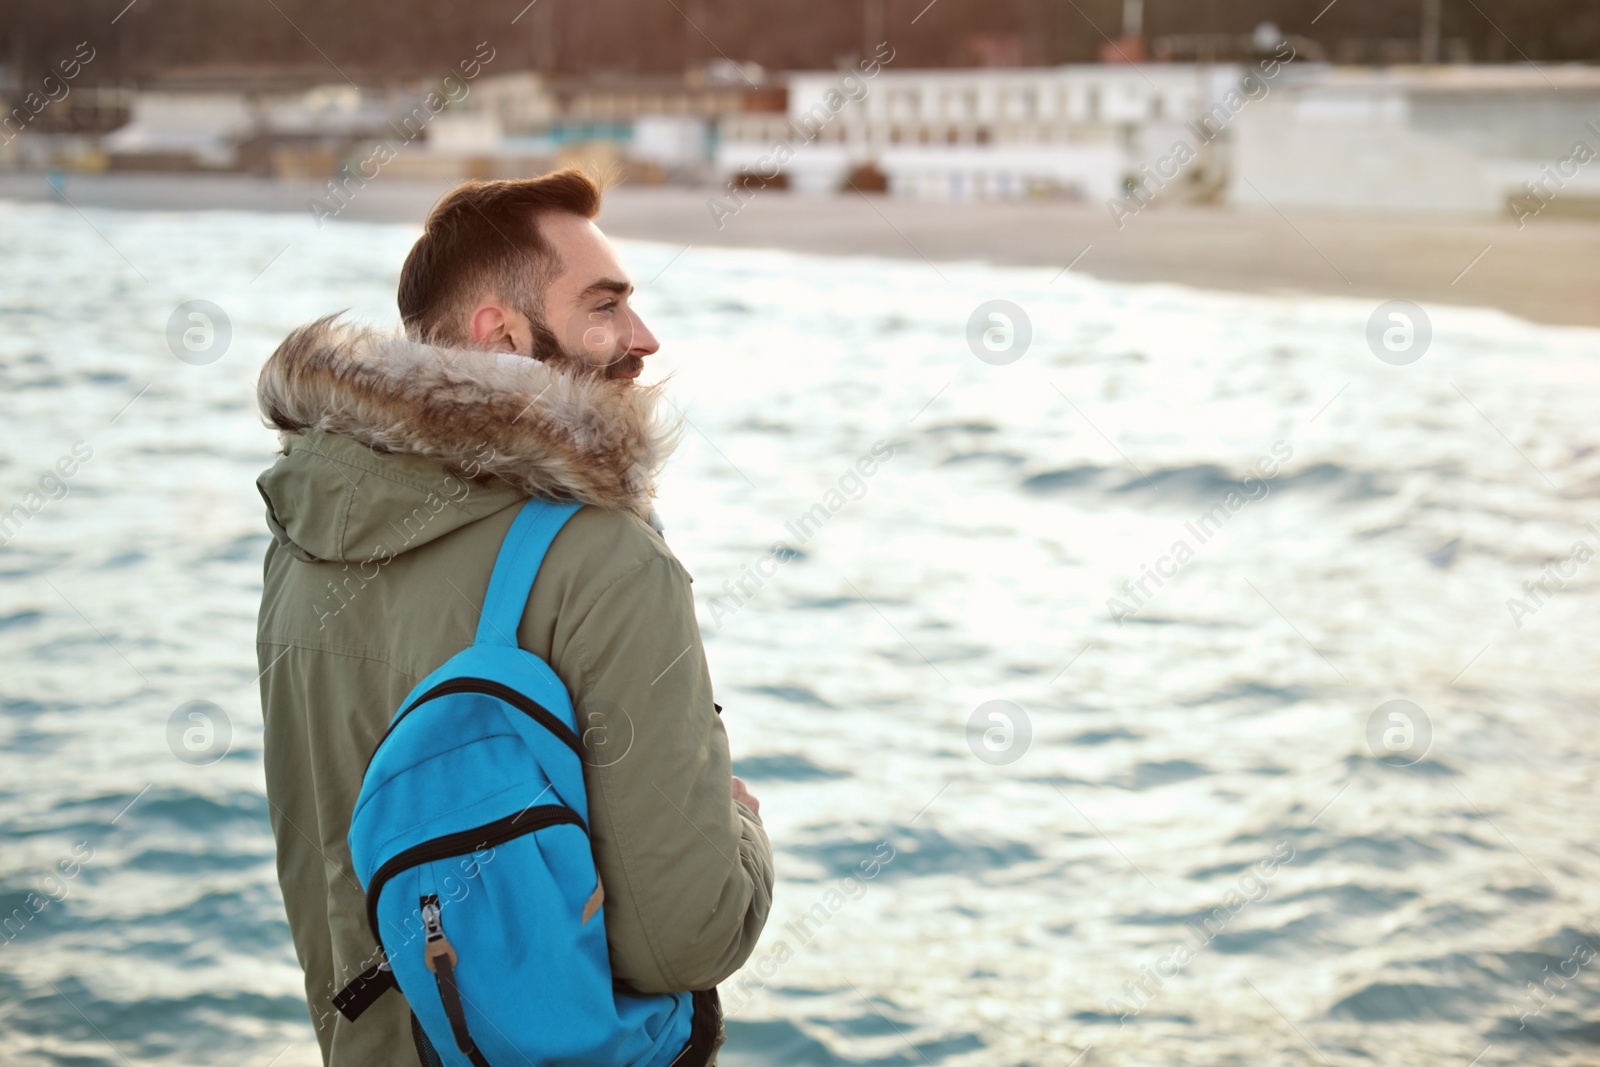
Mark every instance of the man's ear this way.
pixel 499 329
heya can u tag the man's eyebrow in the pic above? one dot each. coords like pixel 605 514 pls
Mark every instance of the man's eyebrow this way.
pixel 606 285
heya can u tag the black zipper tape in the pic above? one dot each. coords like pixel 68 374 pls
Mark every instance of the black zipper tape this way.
pixel 464 842
pixel 535 711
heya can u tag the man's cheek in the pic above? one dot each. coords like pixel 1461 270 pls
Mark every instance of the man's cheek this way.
pixel 596 339
pixel 585 333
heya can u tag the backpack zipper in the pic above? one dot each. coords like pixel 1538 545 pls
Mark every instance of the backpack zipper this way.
pixel 522 703
pixel 463 842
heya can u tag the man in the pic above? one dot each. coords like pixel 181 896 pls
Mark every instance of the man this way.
pixel 404 462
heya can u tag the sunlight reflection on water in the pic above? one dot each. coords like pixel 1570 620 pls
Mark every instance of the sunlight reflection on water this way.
pixel 1196 858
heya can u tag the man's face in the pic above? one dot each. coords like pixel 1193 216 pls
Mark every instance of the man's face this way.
pixel 587 322
pixel 586 305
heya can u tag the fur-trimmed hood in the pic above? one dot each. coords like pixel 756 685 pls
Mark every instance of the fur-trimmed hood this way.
pixel 545 432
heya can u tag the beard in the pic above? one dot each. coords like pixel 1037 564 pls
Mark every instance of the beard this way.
pixel 547 348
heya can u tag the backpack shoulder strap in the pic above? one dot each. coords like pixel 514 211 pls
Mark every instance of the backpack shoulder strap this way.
pixel 521 553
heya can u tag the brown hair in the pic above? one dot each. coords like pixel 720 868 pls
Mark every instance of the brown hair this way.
pixel 482 240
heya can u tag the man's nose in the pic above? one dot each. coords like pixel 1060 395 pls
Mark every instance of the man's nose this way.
pixel 642 342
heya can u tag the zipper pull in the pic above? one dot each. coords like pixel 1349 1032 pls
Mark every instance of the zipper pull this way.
pixel 436 944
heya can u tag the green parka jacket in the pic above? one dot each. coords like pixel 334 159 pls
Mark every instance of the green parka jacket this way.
pixel 402 468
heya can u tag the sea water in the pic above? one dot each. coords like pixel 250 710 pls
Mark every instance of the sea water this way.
pixel 1129 674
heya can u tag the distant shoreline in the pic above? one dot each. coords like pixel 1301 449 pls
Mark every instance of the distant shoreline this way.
pixel 1548 272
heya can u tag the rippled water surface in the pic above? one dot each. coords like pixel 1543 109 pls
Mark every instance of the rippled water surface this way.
pixel 1179 845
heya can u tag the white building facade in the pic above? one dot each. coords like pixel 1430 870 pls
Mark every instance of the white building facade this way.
pixel 1455 139
pixel 1081 131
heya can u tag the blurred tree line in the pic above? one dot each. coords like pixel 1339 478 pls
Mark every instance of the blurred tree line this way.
pixel 375 41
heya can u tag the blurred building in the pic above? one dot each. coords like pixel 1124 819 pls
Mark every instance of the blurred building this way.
pixel 1078 131
pixel 1455 138
pixel 658 128
pixel 68 130
pixel 287 122
pixel 1432 139
pixel 172 131
pixel 294 124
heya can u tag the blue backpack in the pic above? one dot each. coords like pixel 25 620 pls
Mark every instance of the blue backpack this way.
pixel 470 837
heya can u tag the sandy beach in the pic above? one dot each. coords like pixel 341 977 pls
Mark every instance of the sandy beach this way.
pixel 1548 271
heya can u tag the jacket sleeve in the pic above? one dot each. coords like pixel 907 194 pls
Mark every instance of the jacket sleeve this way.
pixel 687 871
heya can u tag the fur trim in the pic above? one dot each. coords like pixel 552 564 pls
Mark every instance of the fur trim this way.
pixel 549 433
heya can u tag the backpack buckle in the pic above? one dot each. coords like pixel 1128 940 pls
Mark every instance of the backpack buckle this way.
pixel 359 995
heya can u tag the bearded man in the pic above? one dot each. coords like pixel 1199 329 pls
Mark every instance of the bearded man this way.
pixel 404 461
